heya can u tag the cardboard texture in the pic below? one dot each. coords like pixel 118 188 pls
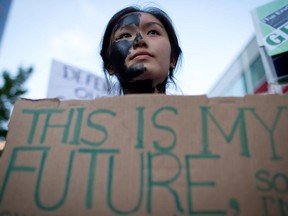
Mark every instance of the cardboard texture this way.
pixel 147 155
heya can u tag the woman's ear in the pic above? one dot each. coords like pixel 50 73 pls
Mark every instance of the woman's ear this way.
pixel 172 63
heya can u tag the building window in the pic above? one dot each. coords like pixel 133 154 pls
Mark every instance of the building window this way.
pixel 280 62
pixel 238 88
pixel 257 73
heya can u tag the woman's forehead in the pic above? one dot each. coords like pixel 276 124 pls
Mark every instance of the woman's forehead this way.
pixel 137 19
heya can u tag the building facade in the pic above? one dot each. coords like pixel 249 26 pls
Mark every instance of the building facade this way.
pixel 246 75
pixel 4 11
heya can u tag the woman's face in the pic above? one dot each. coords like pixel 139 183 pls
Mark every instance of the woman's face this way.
pixel 140 49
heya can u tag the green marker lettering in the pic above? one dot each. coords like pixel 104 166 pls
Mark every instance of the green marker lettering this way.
pixel 14 168
pixel 36 114
pixel 66 125
pixel 271 129
pixel 140 132
pixel 167 184
pixel 110 186
pixel 98 127
pixel 262 176
pixel 283 206
pixel 266 200
pixel 92 171
pixel 62 199
pixel 239 122
pixel 191 184
pixel 78 126
pixel 156 144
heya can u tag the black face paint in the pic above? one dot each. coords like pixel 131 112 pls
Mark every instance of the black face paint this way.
pixel 137 38
pixel 119 52
pixel 132 19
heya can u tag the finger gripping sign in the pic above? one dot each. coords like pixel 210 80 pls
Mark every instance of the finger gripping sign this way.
pixel 147 155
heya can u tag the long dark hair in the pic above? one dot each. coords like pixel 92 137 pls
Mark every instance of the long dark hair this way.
pixel 162 16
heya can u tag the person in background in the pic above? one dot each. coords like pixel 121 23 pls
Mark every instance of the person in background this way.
pixel 141 49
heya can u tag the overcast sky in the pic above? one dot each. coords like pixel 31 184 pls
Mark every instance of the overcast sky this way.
pixel 211 32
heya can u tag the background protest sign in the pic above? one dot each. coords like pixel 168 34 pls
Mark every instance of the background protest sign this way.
pixel 69 82
pixel 147 155
pixel 271 24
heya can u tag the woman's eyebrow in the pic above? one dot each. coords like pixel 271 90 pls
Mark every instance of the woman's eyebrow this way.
pixel 131 26
pixel 148 24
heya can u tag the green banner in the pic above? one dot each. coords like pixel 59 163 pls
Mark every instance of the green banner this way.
pixel 271 24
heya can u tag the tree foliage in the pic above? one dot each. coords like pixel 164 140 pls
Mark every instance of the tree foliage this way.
pixel 10 91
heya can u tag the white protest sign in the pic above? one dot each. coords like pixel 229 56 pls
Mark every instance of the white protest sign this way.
pixel 69 82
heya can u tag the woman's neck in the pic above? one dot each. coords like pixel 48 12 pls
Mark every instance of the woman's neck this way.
pixel 143 87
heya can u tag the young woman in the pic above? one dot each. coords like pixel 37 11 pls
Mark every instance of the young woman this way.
pixel 141 49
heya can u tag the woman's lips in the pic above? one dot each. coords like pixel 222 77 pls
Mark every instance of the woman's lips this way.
pixel 140 55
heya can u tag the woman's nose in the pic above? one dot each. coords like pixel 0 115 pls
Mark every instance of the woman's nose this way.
pixel 138 41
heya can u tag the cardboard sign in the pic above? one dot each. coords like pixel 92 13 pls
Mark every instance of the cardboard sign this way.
pixel 69 82
pixel 147 155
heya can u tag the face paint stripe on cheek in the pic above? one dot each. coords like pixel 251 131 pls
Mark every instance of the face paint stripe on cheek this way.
pixel 119 52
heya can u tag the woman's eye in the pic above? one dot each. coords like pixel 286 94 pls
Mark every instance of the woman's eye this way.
pixel 153 32
pixel 122 36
